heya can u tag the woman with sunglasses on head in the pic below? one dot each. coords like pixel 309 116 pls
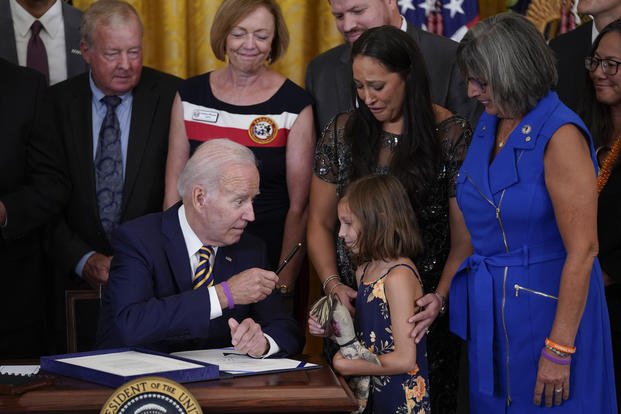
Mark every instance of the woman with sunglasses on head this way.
pixel 530 299
pixel 602 114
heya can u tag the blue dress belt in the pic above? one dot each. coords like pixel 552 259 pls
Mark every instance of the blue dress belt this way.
pixel 474 278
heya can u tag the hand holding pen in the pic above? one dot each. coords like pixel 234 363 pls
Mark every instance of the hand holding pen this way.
pixel 281 287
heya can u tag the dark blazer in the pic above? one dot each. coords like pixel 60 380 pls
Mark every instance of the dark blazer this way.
pixel 329 79
pixel 80 231
pixel 149 300
pixel 71 18
pixel 33 188
pixel 571 48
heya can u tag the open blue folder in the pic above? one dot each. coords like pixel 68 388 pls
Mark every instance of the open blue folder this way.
pixel 113 367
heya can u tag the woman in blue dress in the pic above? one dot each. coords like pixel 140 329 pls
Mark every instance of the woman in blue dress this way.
pixel 530 298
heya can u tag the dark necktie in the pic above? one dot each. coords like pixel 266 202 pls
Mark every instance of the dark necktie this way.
pixel 109 167
pixel 36 57
pixel 203 274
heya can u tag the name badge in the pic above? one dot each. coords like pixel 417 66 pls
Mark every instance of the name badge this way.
pixel 203 115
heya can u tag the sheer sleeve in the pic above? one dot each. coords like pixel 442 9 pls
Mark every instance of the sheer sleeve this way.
pixel 332 154
pixel 455 134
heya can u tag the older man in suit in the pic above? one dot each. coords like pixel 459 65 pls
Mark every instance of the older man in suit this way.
pixel 190 277
pixel 114 124
pixel 329 75
pixel 60 34
pixel 571 48
pixel 33 188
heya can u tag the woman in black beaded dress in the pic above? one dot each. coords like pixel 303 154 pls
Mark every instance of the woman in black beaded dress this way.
pixel 394 130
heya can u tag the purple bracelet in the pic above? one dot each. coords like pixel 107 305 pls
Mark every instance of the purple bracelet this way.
pixel 227 292
pixel 555 359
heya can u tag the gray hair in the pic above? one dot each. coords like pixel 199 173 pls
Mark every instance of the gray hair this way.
pixel 508 53
pixel 209 163
pixel 107 13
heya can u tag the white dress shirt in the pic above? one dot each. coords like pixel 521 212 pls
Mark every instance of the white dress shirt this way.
pixel 52 35
pixel 193 245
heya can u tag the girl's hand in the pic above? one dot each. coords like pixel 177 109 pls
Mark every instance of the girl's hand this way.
pixel 315 328
pixel 552 383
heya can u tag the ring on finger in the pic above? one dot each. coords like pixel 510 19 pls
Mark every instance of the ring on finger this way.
pixel 558 390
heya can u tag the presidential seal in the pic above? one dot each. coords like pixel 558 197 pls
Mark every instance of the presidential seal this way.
pixel 263 130
pixel 151 395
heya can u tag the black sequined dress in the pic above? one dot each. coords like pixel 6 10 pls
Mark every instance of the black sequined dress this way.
pixel 333 164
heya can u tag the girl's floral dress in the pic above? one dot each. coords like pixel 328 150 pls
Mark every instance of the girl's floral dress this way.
pixel 402 393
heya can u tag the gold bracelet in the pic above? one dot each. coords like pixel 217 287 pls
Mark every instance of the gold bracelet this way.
pixel 442 302
pixel 334 287
pixel 328 279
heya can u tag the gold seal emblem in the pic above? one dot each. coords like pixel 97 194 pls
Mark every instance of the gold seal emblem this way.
pixel 263 130
pixel 151 395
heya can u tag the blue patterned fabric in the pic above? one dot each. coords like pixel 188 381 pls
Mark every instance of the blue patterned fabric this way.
pixel 109 167
pixel 400 393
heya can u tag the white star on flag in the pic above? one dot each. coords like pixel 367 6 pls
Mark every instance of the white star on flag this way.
pixel 428 6
pixel 455 7
pixel 406 5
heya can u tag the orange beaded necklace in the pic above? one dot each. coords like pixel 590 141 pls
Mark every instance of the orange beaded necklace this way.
pixel 608 164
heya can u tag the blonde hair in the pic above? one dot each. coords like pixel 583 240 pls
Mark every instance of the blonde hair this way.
pixel 232 11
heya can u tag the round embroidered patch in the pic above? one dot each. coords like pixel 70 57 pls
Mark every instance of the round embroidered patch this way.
pixel 263 130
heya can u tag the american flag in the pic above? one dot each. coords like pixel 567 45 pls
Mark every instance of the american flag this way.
pixel 450 18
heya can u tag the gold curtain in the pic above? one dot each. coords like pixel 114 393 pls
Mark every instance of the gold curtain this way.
pixel 176 38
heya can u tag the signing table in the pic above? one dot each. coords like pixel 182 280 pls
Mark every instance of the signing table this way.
pixel 312 391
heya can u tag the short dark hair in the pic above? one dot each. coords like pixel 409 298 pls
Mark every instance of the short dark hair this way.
pixel 389 227
pixel 508 53
pixel 232 11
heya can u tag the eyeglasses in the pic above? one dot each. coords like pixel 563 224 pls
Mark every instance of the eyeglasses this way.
pixel 609 66
pixel 478 83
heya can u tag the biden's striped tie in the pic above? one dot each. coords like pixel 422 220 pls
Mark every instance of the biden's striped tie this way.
pixel 203 274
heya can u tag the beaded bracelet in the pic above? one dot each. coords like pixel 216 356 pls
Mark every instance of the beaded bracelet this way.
pixel 552 358
pixel 328 279
pixel 557 352
pixel 561 348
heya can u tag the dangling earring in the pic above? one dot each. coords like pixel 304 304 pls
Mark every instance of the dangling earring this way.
pixel 269 58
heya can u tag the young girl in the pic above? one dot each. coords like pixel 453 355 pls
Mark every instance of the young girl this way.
pixel 377 224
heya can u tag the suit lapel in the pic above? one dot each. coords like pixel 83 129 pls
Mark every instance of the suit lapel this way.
pixel 224 264
pixel 143 110
pixel 480 152
pixel 75 62
pixel 343 79
pixel 504 168
pixel 81 120
pixel 176 250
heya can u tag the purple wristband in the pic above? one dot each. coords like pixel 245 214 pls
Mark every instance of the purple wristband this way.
pixel 555 359
pixel 227 292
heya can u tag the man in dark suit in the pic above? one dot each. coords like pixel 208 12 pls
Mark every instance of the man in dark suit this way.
pixel 112 46
pixel 329 76
pixel 16 18
pixel 571 48
pixel 156 296
pixel 32 189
